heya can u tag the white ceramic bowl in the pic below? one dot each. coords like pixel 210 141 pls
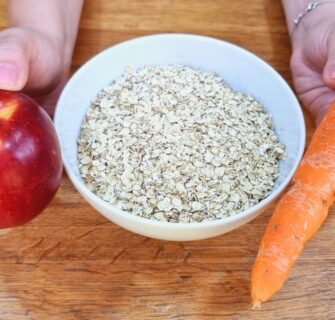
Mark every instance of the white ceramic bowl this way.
pixel 241 69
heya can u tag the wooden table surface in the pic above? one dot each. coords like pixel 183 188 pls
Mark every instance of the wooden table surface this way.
pixel 71 263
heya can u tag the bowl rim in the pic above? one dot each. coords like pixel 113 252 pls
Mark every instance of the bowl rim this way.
pixel 112 210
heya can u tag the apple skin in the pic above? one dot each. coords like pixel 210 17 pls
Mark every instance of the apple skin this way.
pixel 30 159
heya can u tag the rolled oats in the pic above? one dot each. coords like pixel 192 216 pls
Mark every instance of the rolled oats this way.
pixel 177 144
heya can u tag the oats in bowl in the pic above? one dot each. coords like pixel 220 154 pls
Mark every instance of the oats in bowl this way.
pixel 177 144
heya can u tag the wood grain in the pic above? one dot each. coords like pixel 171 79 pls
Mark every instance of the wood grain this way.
pixel 71 263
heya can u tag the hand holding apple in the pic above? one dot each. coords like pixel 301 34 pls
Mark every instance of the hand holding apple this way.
pixel 30 159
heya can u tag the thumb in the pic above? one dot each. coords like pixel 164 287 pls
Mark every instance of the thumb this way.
pixel 14 59
pixel 329 69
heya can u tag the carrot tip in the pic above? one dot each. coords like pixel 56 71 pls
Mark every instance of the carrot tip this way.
pixel 256 305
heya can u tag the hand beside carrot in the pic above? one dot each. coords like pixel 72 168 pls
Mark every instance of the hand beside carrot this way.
pixel 301 211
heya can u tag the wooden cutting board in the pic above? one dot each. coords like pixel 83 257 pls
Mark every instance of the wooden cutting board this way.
pixel 71 263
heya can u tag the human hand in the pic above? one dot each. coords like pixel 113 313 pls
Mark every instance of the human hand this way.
pixel 33 62
pixel 36 49
pixel 313 60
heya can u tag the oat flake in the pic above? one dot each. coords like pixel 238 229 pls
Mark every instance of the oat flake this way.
pixel 177 144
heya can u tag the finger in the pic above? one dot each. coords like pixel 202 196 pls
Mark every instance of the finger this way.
pixel 329 69
pixel 15 53
pixel 48 101
pixel 322 104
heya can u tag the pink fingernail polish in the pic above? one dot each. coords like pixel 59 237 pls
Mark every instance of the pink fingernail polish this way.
pixel 8 74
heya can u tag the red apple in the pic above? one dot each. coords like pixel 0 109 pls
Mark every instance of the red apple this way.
pixel 30 159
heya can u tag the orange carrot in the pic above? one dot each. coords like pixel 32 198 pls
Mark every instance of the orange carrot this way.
pixel 298 215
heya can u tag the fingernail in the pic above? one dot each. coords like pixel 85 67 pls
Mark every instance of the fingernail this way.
pixel 8 74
